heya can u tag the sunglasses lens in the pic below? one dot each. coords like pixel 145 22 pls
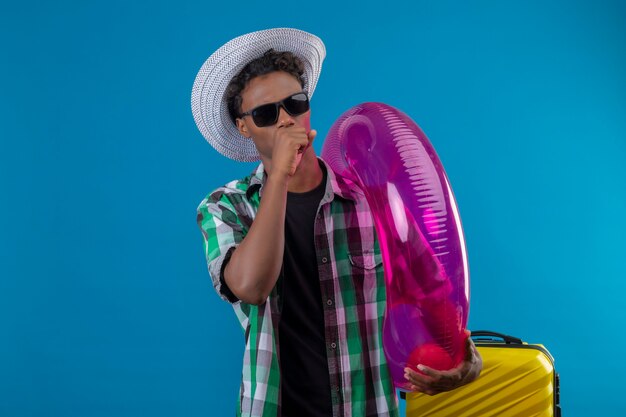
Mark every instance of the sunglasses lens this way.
pixel 265 115
pixel 296 104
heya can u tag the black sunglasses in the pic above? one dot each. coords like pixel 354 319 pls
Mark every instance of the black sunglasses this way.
pixel 267 114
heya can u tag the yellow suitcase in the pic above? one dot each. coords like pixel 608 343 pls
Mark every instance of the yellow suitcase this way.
pixel 518 380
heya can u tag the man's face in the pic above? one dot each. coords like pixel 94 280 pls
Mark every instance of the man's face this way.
pixel 264 89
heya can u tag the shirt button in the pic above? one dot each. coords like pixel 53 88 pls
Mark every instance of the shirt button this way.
pixel 329 302
pixel 324 259
pixel 333 345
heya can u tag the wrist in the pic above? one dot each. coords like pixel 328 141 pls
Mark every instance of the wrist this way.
pixel 278 179
pixel 474 368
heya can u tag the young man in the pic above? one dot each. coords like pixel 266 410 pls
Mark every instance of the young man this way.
pixel 293 246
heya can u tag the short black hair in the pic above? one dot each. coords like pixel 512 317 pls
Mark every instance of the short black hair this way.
pixel 270 61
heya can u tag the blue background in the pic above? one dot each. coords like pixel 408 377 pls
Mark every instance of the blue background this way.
pixel 106 306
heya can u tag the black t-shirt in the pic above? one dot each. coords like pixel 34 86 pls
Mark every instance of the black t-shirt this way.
pixel 305 381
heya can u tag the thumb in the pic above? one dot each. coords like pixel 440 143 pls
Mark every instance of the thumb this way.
pixel 312 134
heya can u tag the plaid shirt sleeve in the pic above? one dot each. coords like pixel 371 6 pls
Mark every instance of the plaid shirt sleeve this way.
pixel 222 231
pixel 225 217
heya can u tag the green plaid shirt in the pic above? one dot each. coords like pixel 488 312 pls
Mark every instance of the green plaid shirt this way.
pixel 353 296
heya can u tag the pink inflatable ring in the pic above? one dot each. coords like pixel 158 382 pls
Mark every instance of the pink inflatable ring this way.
pixel 419 229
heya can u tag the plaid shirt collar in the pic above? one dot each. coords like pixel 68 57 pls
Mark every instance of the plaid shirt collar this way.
pixel 336 185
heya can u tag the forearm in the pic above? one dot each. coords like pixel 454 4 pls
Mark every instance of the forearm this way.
pixel 255 265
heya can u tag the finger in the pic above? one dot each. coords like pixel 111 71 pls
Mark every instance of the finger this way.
pixel 417 378
pixel 298 159
pixel 422 386
pixel 302 145
pixel 422 389
pixel 442 380
pixel 312 134
pixel 299 137
pixel 429 371
pixel 290 131
pixel 429 385
pixel 295 139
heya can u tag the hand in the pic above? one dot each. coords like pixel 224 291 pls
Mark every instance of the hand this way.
pixel 290 142
pixel 432 382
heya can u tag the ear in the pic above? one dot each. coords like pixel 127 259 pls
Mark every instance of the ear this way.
pixel 241 126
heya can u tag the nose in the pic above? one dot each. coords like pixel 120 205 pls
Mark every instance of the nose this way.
pixel 284 118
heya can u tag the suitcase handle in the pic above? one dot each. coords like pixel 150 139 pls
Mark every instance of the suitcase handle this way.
pixel 492 335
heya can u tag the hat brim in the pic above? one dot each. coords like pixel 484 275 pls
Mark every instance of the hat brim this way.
pixel 208 103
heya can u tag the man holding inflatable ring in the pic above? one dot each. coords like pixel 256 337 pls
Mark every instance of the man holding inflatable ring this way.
pixel 293 246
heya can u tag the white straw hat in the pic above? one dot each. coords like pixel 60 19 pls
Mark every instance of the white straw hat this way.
pixel 208 103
